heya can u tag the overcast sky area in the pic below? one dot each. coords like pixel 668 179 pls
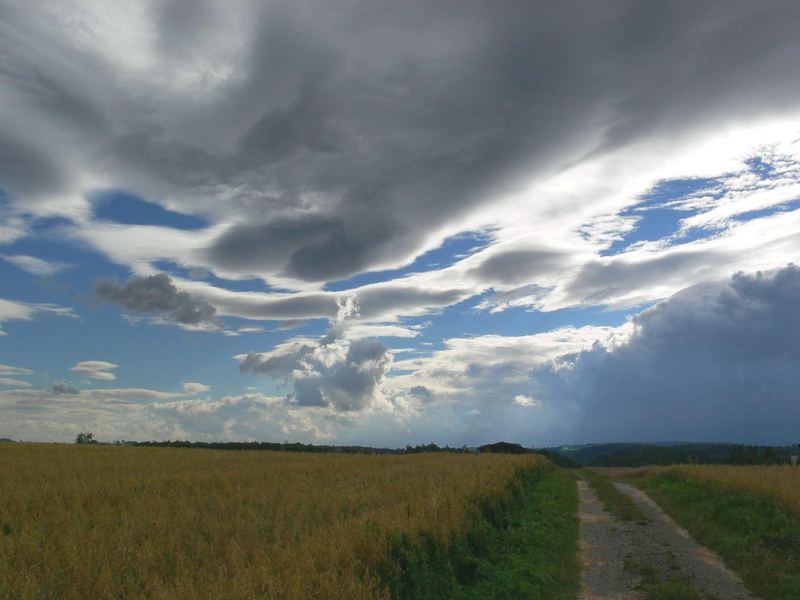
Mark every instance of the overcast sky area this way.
pixel 391 223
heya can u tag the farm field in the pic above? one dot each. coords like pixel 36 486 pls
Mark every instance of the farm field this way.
pixel 100 521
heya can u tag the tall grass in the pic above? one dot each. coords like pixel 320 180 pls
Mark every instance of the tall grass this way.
pixel 84 521
pixel 781 482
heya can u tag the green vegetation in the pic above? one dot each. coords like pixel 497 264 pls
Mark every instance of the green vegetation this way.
pixel 647 572
pixel 524 546
pixel 756 535
pixel 617 503
pixel 676 589
pixel 658 587
pixel 640 455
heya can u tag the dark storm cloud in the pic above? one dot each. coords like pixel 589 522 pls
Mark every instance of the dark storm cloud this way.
pixel 60 388
pixel 517 266
pixel 434 127
pixel 365 128
pixel 25 170
pixel 716 361
pixel 312 248
pixel 157 294
pixel 421 392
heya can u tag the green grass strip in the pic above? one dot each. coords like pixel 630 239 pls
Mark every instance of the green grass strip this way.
pixel 524 548
pixel 658 587
pixel 755 535
pixel 617 503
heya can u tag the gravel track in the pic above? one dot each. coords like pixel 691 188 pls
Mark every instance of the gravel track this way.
pixel 607 543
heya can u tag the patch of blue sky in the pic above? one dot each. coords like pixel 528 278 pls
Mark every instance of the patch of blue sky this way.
pixel 451 251
pixel 122 207
pixel 85 265
pixel 766 212
pixel 760 167
pixel 656 220
pixel 160 357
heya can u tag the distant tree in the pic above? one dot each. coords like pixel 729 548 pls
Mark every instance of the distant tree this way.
pixel 85 438
pixel 503 448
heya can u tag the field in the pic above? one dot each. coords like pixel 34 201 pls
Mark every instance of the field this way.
pixel 92 521
pixel 779 482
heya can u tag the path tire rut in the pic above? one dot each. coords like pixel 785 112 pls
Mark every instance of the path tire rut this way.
pixel 607 544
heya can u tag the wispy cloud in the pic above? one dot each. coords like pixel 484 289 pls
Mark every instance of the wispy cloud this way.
pixel 95 369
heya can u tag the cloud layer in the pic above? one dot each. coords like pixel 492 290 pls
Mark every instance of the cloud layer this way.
pixel 157 295
pixel 522 166
pixel 716 361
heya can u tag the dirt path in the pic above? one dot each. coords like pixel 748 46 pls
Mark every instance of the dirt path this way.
pixel 607 544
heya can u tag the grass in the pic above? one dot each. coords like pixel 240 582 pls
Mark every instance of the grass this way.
pixel 535 554
pixel 84 521
pixel 754 529
pixel 781 482
pixel 676 589
pixel 522 547
pixel 617 503
pixel 658 587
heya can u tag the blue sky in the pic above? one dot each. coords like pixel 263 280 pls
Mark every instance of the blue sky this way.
pixel 460 236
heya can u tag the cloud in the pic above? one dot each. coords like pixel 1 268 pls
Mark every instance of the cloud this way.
pixel 11 310
pixel 60 388
pixel 523 400
pixel 14 382
pixel 421 392
pixel 95 369
pixel 9 370
pixel 321 141
pixel 513 267
pixel 34 265
pixel 195 388
pixel 350 154
pixel 335 371
pixel 157 294
pixel 717 361
pixel 493 368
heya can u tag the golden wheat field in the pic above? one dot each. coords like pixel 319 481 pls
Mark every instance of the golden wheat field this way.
pixel 778 481
pixel 123 522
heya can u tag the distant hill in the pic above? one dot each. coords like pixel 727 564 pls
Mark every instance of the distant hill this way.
pixel 504 448
pixel 6 440
pixel 669 453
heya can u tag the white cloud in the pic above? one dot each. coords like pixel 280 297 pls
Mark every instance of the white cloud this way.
pixel 96 369
pixel 9 370
pixel 34 265
pixel 523 400
pixel 191 387
pixel 11 310
pixel 338 371
pixel 14 382
pixel 491 365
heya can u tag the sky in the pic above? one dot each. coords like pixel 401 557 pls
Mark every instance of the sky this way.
pixel 391 223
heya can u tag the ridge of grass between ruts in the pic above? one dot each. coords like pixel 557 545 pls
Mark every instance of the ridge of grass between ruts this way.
pixel 521 546
pixel 756 535
pixel 615 502
pixel 658 586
